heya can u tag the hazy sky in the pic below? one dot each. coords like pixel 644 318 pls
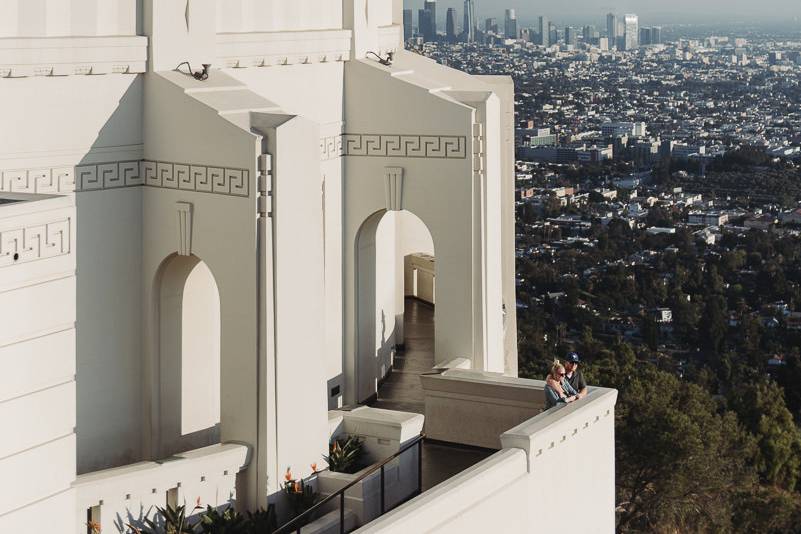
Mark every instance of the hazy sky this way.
pixel 650 11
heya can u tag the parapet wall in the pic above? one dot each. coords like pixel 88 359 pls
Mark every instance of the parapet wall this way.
pixel 563 454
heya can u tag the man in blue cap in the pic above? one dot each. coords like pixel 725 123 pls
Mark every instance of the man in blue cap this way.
pixel 574 376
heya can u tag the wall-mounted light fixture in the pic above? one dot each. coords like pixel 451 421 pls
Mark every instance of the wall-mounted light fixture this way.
pixel 387 61
pixel 201 75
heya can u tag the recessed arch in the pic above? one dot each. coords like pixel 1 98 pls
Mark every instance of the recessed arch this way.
pixel 188 356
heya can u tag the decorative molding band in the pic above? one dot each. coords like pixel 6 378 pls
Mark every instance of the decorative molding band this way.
pixel 265 49
pixel 107 176
pixel 405 146
pixel 42 181
pixel 199 178
pixel 393 187
pixel 37 242
pixel 62 56
pixel 330 147
pixel 116 175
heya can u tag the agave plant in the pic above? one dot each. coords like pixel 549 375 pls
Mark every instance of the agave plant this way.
pixel 175 522
pixel 345 455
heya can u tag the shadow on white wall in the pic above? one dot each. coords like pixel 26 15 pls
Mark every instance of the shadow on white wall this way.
pixel 189 356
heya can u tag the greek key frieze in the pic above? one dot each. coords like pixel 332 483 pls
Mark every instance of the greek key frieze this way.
pixel 35 242
pixel 405 146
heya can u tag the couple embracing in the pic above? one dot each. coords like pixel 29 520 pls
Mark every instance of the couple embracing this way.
pixel 565 383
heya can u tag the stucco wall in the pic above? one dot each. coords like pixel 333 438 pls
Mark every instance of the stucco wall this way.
pixel 40 18
pixel 315 92
pixel 367 93
pixel 277 15
pixel 37 353
pixel 223 234
pixel 562 456
pixel 90 119
pixel 109 328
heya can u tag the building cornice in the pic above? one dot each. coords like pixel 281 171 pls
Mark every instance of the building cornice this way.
pixel 65 56
pixel 266 49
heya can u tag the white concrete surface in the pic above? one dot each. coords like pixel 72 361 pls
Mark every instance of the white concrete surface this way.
pixel 492 402
pixel 383 433
pixel 37 350
pixel 266 173
pixel 564 451
pixel 128 495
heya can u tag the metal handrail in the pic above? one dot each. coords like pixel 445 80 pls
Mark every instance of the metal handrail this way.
pixel 297 523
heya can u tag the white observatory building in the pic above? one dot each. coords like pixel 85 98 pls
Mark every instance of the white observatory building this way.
pixel 203 281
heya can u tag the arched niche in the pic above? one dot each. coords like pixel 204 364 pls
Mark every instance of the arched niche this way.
pixel 188 365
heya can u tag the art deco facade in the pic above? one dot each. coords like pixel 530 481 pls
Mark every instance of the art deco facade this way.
pixel 195 274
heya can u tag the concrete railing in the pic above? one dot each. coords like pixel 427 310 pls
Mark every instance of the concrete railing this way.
pixel 491 402
pixel 116 497
pixel 566 454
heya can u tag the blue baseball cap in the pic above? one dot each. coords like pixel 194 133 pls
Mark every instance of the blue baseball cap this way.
pixel 573 357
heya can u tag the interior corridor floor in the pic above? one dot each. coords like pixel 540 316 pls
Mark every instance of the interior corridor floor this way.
pixel 403 391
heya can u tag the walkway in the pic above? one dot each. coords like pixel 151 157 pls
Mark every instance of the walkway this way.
pixel 402 391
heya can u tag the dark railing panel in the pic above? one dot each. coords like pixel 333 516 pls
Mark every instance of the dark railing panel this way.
pixel 297 523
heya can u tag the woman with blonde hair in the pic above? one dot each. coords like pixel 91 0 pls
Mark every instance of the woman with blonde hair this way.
pixel 557 389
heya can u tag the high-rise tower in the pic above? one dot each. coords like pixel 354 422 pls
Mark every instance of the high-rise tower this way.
pixel 450 25
pixel 428 20
pixel 510 24
pixel 469 21
pixel 631 33
pixel 656 35
pixel 611 29
pixel 408 24
pixel 545 31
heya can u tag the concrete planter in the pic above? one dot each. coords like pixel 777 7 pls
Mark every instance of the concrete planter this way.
pixel 364 498
pixel 383 433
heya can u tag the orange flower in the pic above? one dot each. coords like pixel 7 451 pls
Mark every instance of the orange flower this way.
pixel 314 467
pixel 288 475
pixel 94 526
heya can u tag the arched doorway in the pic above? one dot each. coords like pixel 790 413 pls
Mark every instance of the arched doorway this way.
pixel 188 365
pixel 384 244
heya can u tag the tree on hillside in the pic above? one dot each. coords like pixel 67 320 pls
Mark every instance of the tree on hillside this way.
pixel 713 325
pixel 761 408
pixel 680 463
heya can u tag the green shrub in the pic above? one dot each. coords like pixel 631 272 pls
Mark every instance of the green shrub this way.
pixel 211 521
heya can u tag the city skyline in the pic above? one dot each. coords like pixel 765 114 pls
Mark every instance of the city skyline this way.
pixel 679 11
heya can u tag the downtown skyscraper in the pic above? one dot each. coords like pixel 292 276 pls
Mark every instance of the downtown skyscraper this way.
pixel 408 24
pixel 611 29
pixel 469 30
pixel 510 24
pixel 427 21
pixel 450 25
pixel 545 31
pixel 631 33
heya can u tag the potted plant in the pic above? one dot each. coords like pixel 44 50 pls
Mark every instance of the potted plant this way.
pixel 301 495
pixel 348 460
pixel 345 455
